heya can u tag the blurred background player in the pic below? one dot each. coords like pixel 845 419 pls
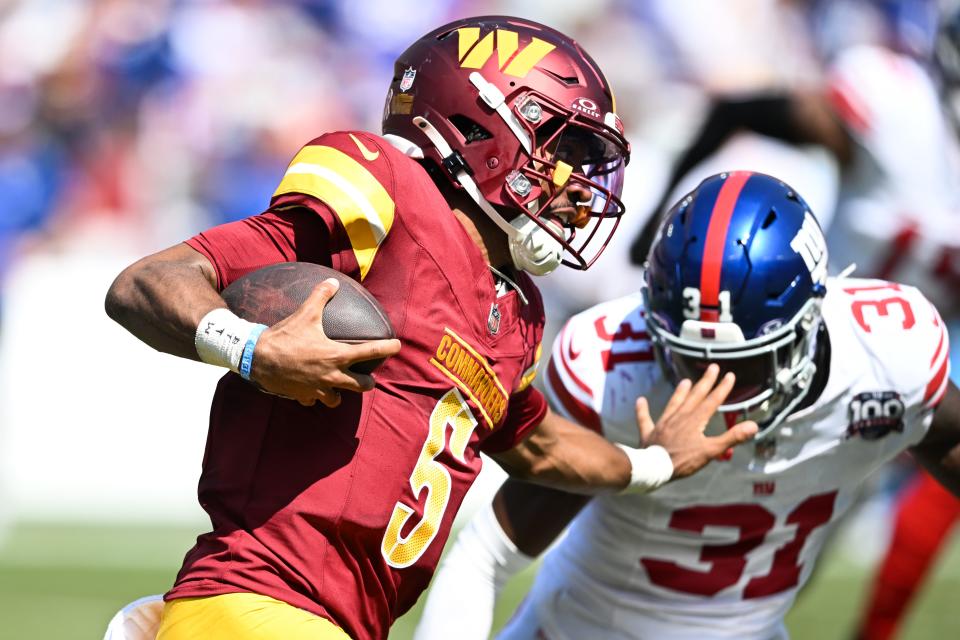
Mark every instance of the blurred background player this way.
pixel 841 374
pixel 924 514
pixel 502 156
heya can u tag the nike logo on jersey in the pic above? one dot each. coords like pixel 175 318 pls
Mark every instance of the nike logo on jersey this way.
pixel 368 155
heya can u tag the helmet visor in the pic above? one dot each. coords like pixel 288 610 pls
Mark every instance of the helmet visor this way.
pixel 600 158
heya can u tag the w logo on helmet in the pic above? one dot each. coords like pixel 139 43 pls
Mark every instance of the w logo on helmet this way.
pixel 474 53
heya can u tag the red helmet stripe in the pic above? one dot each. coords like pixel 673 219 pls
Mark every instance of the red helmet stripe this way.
pixel 713 246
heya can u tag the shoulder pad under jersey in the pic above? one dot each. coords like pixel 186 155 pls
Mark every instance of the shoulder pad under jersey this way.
pixel 601 361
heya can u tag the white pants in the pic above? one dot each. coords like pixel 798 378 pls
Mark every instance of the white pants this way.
pixel 566 604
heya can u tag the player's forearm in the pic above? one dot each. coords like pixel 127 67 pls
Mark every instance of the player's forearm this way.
pixel 531 517
pixel 939 451
pixel 563 455
pixel 945 468
pixel 162 298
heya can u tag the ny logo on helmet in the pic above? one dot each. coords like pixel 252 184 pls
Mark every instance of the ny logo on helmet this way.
pixel 812 247
pixel 474 54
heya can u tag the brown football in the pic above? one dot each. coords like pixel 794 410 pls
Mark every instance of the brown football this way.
pixel 270 294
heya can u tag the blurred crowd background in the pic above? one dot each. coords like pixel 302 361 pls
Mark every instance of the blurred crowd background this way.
pixel 156 119
pixel 127 126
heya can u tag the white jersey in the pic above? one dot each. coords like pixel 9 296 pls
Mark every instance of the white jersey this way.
pixel 898 215
pixel 722 554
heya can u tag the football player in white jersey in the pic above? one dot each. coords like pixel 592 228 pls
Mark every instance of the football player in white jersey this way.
pixel 842 374
pixel 898 213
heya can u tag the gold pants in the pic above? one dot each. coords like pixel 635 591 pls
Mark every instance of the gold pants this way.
pixel 242 616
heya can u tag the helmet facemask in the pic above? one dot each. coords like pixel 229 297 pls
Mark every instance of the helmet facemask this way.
pixel 568 149
pixel 774 371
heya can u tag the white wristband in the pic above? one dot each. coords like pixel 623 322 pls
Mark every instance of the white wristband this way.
pixel 651 467
pixel 221 337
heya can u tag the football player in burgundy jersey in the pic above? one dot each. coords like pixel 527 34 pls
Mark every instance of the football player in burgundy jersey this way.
pixel 841 375
pixel 502 156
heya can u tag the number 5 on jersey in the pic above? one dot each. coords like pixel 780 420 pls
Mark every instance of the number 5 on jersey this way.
pixel 452 410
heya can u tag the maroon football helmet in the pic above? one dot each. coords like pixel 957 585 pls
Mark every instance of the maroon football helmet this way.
pixel 515 112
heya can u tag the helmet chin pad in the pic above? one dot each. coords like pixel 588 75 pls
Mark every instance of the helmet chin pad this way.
pixel 532 248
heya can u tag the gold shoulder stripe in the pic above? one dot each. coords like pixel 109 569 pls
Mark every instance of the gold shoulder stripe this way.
pixel 364 207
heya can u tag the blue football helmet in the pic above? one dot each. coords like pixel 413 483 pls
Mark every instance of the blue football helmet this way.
pixel 736 277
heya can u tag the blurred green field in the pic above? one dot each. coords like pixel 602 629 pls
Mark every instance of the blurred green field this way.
pixel 64 582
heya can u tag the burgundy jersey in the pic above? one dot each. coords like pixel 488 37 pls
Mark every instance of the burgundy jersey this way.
pixel 344 512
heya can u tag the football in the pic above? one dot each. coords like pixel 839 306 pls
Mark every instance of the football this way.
pixel 270 294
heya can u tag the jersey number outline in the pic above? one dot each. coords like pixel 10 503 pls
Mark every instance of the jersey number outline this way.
pixel 728 561
pixel 402 551
pixel 882 305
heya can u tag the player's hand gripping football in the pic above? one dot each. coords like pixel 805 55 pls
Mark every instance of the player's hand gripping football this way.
pixel 680 429
pixel 296 360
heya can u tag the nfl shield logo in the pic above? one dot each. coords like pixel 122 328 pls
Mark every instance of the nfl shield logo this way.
pixel 493 320
pixel 407 81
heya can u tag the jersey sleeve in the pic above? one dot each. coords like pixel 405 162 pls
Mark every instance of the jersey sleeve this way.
pixel 906 333
pixel 599 362
pixel 345 178
pixel 524 412
pixel 571 381
pixel 236 248
pixel 937 374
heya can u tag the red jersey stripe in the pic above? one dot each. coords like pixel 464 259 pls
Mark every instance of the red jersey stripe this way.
pixel 936 354
pixel 937 385
pixel 713 245
pixel 930 393
pixel 573 356
pixel 577 410
pixel 939 396
pixel 849 105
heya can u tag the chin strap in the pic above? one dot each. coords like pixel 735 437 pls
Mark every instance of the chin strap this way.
pixel 531 248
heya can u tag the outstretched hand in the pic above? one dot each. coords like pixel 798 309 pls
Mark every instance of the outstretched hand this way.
pixel 680 429
pixel 295 359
